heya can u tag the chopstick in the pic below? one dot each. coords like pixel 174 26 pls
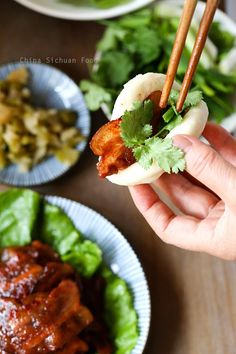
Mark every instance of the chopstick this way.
pixel 204 28
pixel 184 26
pixel 179 43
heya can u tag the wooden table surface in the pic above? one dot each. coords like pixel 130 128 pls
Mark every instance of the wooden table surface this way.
pixel 193 295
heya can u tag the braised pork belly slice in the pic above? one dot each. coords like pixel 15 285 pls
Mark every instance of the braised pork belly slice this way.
pixel 109 146
pixel 40 305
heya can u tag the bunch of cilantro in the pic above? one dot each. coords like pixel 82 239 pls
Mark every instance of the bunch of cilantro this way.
pixel 149 147
pixel 142 42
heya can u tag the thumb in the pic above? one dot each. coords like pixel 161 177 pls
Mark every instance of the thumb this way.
pixel 207 166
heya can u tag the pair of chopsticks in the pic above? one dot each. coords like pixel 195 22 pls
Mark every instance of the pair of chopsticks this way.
pixel 185 22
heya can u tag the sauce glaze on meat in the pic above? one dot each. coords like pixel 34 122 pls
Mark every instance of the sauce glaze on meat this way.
pixel 109 146
pixel 44 305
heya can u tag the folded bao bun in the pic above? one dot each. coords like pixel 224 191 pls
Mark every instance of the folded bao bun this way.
pixel 138 89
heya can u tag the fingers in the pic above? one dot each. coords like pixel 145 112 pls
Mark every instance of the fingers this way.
pixel 222 141
pixel 176 230
pixel 189 198
pixel 157 214
pixel 206 165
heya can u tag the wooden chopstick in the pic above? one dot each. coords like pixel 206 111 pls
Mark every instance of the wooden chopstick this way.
pixel 179 43
pixel 185 22
pixel 204 28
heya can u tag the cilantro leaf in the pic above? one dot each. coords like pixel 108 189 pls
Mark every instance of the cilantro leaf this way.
pixel 110 38
pixel 95 95
pixel 193 99
pixel 114 69
pixel 160 151
pixel 135 124
pixel 141 154
pixel 136 132
pixel 145 44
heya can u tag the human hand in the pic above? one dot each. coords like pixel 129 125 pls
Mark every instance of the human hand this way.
pixel 208 223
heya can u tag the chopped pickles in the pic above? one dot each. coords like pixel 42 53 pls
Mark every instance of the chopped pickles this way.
pixel 29 134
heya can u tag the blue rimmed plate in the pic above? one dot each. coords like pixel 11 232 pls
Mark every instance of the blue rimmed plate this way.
pixel 117 254
pixel 50 88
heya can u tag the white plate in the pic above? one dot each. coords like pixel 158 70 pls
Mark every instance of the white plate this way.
pixel 82 12
pixel 117 254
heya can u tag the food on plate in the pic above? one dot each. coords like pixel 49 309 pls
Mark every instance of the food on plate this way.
pixel 135 147
pixel 102 4
pixel 56 293
pixel 42 302
pixel 142 42
pixel 29 134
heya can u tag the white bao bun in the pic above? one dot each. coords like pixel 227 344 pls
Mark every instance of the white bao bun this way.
pixel 138 89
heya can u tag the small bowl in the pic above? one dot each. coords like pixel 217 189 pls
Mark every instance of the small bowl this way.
pixel 117 254
pixel 50 88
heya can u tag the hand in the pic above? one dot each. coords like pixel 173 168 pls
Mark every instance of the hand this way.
pixel 208 223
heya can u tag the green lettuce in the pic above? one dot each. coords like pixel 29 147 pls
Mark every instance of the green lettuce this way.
pixel 119 313
pixel 84 255
pixel 22 212
pixel 18 214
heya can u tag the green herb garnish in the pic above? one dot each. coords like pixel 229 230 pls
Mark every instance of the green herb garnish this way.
pixel 136 132
pixel 145 40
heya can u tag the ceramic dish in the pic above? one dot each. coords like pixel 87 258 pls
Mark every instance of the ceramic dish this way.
pixel 83 11
pixel 118 255
pixel 50 88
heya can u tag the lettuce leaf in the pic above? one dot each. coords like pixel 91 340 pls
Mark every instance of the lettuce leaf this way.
pixel 58 231
pixel 18 213
pixel 120 315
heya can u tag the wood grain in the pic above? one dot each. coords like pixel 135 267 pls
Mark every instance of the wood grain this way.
pixel 193 295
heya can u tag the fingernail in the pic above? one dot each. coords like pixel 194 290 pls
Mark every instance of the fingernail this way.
pixel 182 141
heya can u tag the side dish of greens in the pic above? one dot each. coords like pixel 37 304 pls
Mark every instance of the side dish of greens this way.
pixel 102 4
pixel 25 216
pixel 142 42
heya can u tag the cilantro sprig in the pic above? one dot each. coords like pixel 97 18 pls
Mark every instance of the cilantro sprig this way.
pixel 160 151
pixel 135 126
pixel 137 133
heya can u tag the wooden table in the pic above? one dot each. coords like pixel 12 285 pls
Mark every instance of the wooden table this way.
pixel 193 295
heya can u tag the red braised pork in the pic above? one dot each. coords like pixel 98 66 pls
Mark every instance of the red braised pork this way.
pixel 40 305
